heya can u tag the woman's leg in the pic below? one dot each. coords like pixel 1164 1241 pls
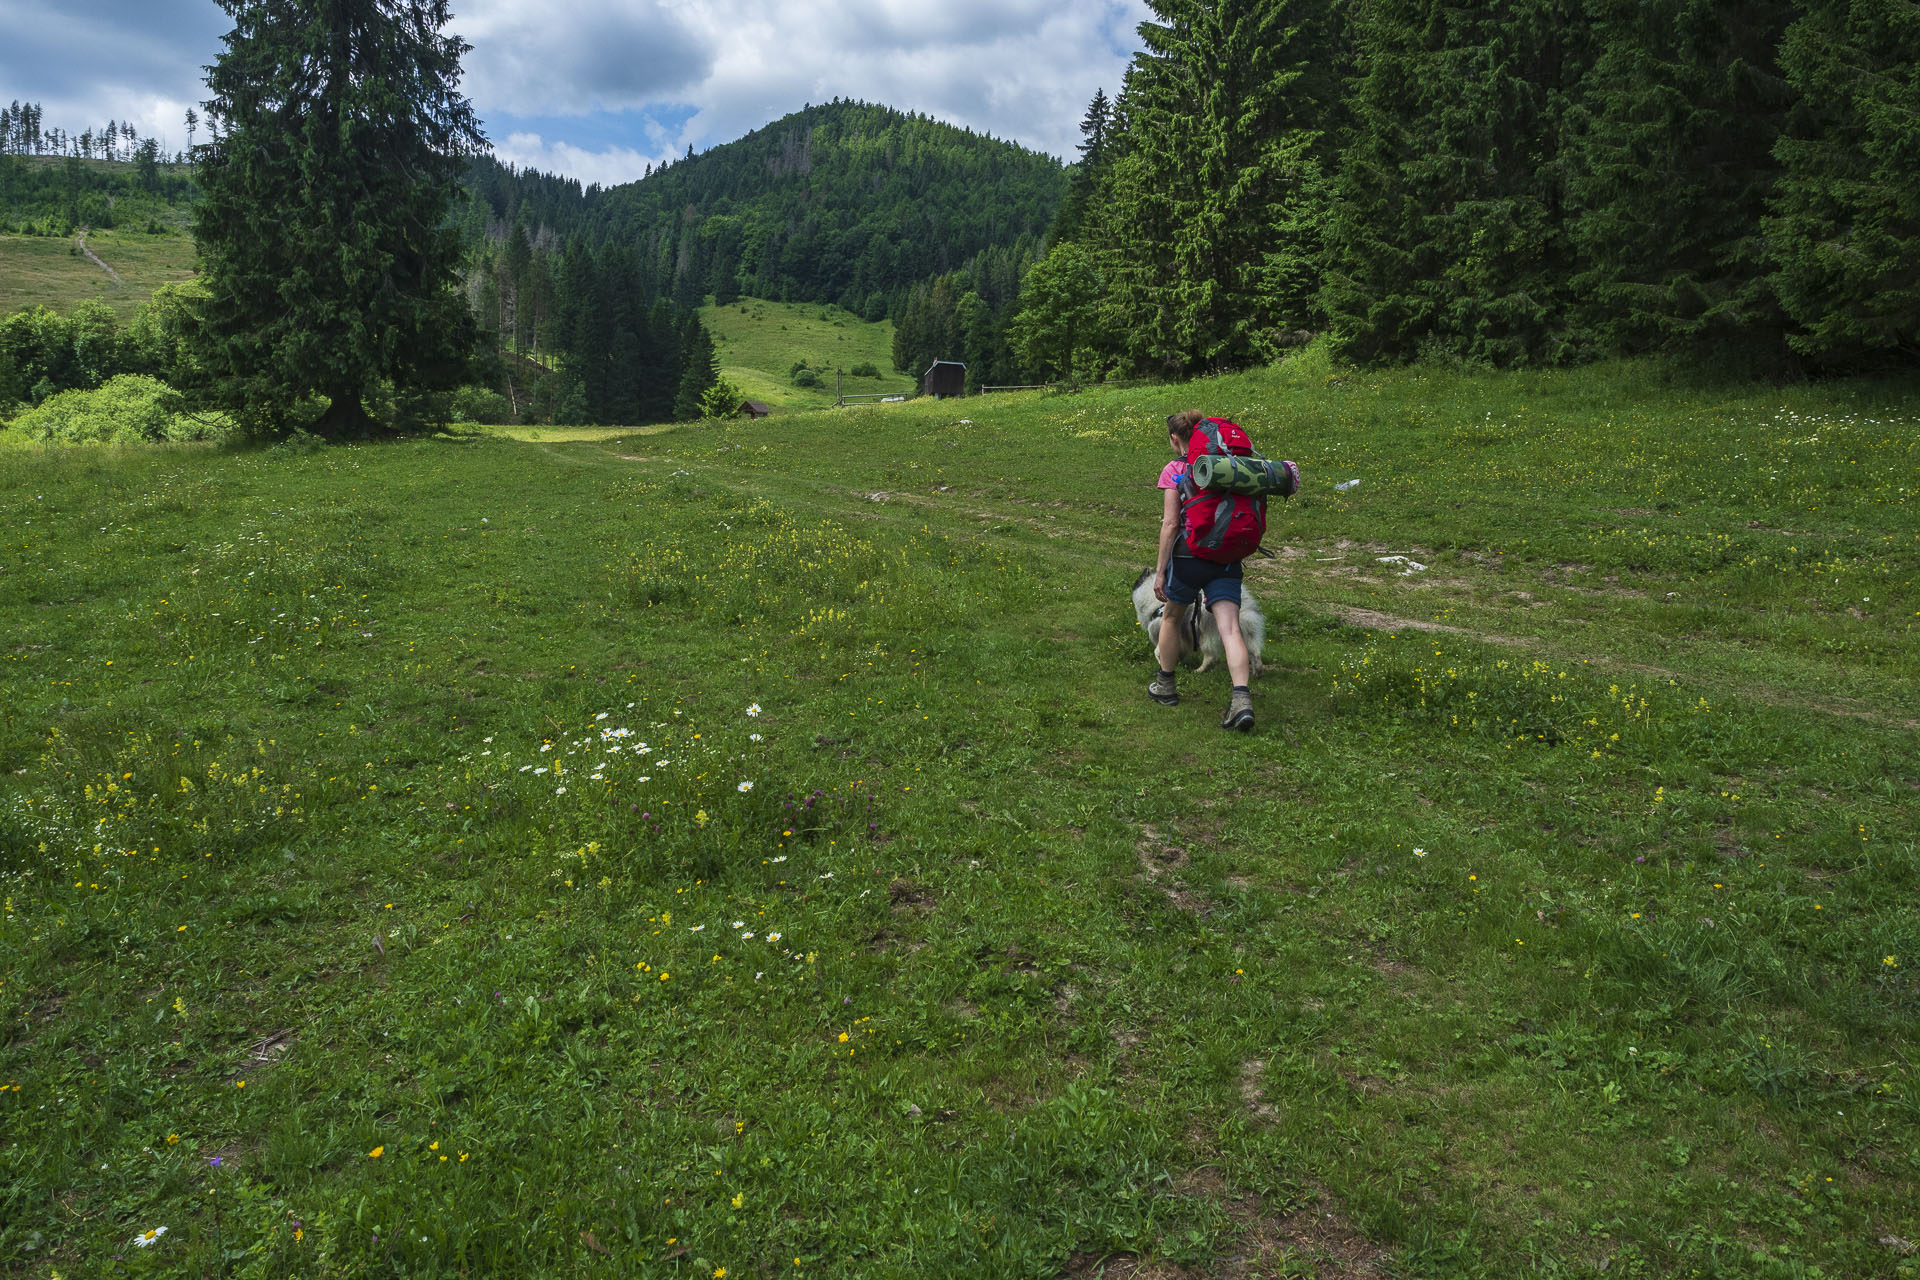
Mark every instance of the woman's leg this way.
pixel 1226 616
pixel 1167 647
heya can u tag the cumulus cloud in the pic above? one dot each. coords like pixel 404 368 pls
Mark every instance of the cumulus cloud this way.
pixel 710 69
pixel 609 167
pixel 1019 69
pixel 546 59
pixel 96 60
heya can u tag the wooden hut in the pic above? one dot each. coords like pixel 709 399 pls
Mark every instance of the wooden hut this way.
pixel 945 378
pixel 754 409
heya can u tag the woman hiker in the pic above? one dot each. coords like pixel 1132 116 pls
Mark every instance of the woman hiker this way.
pixel 1180 578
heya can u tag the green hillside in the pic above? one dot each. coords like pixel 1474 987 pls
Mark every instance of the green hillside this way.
pixel 844 202
pixel 51 271
pixel 758 343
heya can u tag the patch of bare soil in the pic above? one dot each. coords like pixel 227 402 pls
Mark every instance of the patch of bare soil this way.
pixel 1253 1079
pixel 1374 619
pixel 1316 1232
pixel 263 1052
pixel 910 898
pixel 1267 1243
pixel 1158 861
pixel 1119 1266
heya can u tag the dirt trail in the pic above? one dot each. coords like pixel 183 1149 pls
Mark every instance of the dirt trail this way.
pixel 1121 550
pixel 94 258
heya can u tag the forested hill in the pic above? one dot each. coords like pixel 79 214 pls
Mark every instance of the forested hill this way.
pixel 846 202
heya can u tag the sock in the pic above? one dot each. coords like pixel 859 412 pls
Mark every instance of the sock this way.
pixel 1240 688
pixel 1167 676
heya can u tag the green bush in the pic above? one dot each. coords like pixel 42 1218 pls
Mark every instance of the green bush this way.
pixel 806 378
pixel 129 409
pixel 481 404
pixel 865 369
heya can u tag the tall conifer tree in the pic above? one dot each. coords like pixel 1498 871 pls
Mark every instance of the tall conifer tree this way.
pixel 699 370
pixel 1845 230
pixel 325 245
pixel 1673 165
pixel 1448 228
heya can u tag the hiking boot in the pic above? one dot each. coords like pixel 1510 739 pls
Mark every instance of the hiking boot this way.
pixel 1239 712
pixel 1162 691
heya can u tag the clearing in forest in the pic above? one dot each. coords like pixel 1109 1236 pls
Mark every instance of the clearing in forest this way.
pixel 752 849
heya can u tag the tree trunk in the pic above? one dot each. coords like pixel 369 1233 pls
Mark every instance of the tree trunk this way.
pixel 345 418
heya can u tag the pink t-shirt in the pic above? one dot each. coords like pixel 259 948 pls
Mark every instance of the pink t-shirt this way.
pixel 1171 473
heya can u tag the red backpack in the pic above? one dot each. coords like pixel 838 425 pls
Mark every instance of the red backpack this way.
pixel 1221 527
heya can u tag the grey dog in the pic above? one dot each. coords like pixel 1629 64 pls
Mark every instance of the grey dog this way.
pixel 1199 633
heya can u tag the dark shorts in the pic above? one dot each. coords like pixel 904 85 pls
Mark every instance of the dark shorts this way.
pixel 1187 577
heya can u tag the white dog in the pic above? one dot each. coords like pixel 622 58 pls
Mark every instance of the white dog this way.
pixel 1200 634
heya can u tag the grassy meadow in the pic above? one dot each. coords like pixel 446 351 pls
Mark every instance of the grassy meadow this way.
pixel 759 342
pixel 750 852
pixel 50 271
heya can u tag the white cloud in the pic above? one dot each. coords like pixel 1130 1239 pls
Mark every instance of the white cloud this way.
pixel 1018 69
pixel 531 60
pixel 609 168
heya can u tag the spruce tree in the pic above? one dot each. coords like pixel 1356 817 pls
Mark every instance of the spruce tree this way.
pixel 1672 164
pixel 1256 171
pixel 325 246
pixel 700 369
pixel 1448 227
pixel 1094 127
pixel 1845 230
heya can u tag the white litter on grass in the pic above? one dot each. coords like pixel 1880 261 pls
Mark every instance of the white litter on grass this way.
pixel 1412 566
pixel 1345 485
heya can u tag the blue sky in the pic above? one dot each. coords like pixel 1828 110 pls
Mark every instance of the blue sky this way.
pixel 601 88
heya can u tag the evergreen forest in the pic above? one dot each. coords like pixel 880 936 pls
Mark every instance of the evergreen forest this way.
pixel 1526 183
pixel 1529 182
pixel 885 213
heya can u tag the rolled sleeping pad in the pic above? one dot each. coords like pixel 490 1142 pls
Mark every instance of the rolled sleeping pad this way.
pixel 1252 476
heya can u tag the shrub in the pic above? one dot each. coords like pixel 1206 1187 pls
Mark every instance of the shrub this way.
pixel 806 378
pixel 129 409
pixel 481 404
pixel 864 369
pixel 721 400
